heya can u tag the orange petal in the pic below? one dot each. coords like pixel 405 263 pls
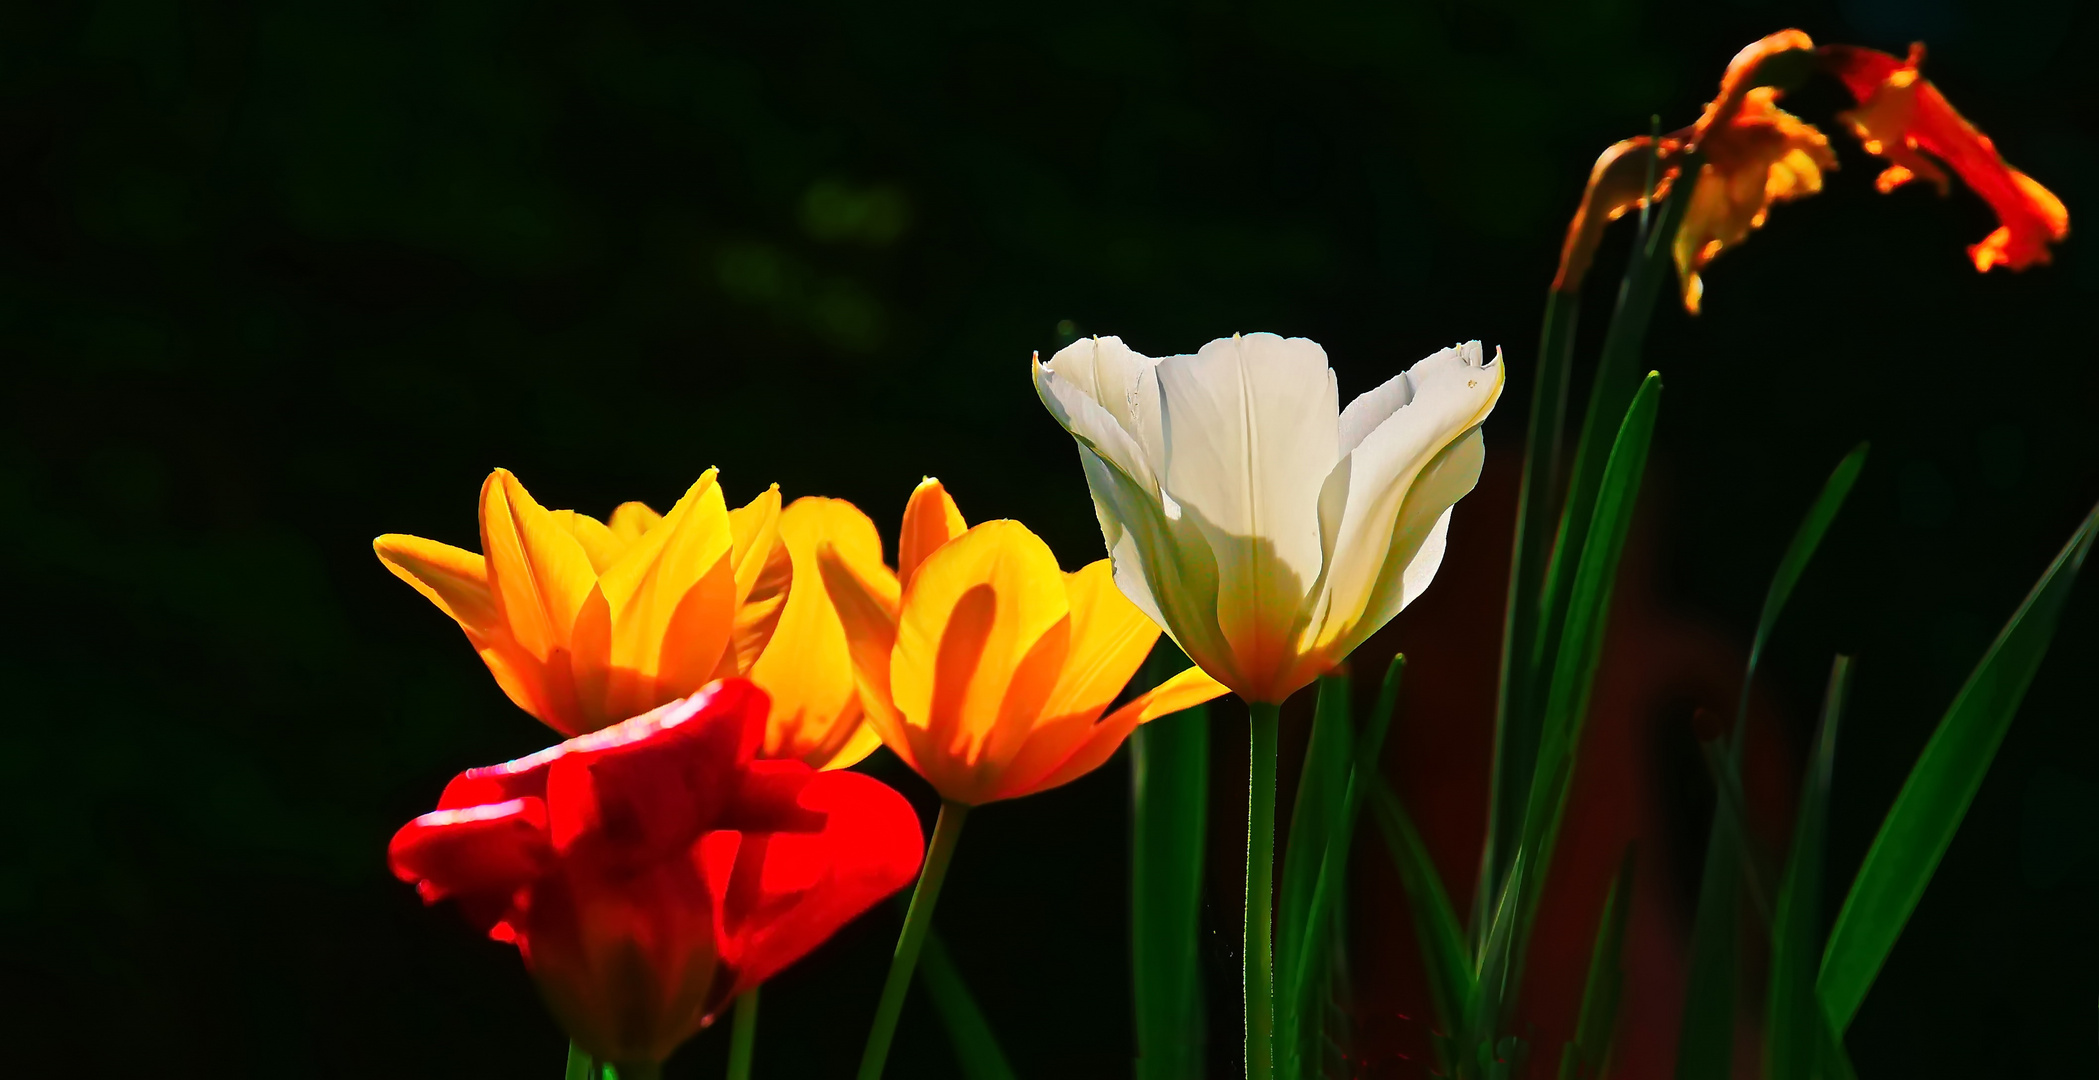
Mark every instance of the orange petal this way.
pixel 632 519
pixel 599 544
pixel 1097 743
pixel 457 582
pixel 1110 638
pixel 807 665
pixel 862 742
pixel 1761 156
pixel 930 520
pixel 672 597
pixel 967 658
pixel 754 532
pixel 1902 116
pixel 537 572
pixel 867 609
pixel 1617 183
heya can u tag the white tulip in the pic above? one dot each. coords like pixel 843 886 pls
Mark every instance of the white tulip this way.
pixel 1264 528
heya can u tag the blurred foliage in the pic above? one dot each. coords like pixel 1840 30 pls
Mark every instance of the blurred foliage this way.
pixel 276 279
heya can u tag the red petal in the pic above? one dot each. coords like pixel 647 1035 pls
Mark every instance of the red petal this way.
pixel 811 884
pixel 482 849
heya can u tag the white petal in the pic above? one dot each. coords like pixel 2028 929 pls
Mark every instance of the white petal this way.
pixel 1387 520
pixel 1120 380
pixel 1092 424
pixel 1251 433
pixel 1371 408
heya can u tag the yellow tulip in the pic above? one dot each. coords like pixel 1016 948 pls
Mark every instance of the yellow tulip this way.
pixel 984 666
pixel 586 623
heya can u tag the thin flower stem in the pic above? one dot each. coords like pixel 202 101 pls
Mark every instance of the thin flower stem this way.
pixel 1260 890
pixel 916 922
pixel 743 1036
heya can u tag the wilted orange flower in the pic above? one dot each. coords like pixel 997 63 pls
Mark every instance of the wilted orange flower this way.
pixel 986 667
pixel 1756 154
pixel 1901 113
pixel 586 623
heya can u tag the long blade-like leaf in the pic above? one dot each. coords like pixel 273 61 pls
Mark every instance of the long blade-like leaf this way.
pixel 1442 938
pixel 1321 788
pixel 1589 1055
pixel 1794 1023
pixel 976 1048
pixel 1574 671
pixel 1169 807
pixel 1936 795
pixel 1806 539
pixel 1537 501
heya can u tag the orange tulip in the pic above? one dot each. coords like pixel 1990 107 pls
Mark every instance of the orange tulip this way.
pixel 1901 113
pixel 1756 154
pixel 984 666
pixel 586 623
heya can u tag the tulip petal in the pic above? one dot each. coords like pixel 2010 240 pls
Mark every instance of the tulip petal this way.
pixel 632 519
pixel 811 884
pixel 931 519
pixel 807 665
pixel 1066 755
pixel 457 582
pixel 753 533
pixel 492 848
pixel 867 609
pixel 863 741
pixel 1251 432
pixel 1123 382
pixel 1454 390
pixel 967 659
pixel 537 572
pixel 673 603
pixel 600 546
pixel 1109 640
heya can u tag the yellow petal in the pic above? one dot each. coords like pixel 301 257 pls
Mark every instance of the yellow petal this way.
pixel 599 543
pixel 537 572
pixel 1186 690
pixel 867 609
pixel 632 519
pixel 807 665
pixel 672 597
pixel 930 520
pixel 753 534
pixel 454 579
pixel 457 582
pixel 967 659
pixel 1110 638
pixel 858 745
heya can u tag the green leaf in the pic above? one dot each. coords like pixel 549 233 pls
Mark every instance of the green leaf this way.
pixel 1936 795
pixel 1537 500
pixel 1806 539
pixel 1321 789
pixel 1169 807
pixel 1450 974
pixel 1588 1056
pixel 1581 645
pixel 976 1048
pixel 581 1066
pixel 1795 1027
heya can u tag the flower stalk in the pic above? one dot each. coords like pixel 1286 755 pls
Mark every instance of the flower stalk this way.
pixel 743 1035
pixel 1259 954
pixel 946 830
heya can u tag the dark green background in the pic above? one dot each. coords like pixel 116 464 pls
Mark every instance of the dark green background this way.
pixel 276 278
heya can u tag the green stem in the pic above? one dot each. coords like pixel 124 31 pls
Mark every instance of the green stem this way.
pixel 640 1070
pixel 916 922
pixel 581 1066
pixel 743 1037
pixel 1260 889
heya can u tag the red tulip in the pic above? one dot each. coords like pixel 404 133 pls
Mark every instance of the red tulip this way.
pixel 652 871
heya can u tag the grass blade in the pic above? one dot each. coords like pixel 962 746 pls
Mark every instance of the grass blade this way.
pixel 1936 795
pixel 1443 952
pixel 1574 670
pixel 1806 539
pixel 1795 1027
pixel 1589 1055
pixel 976 1048
pixel 1322 786
pixel 1169 807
